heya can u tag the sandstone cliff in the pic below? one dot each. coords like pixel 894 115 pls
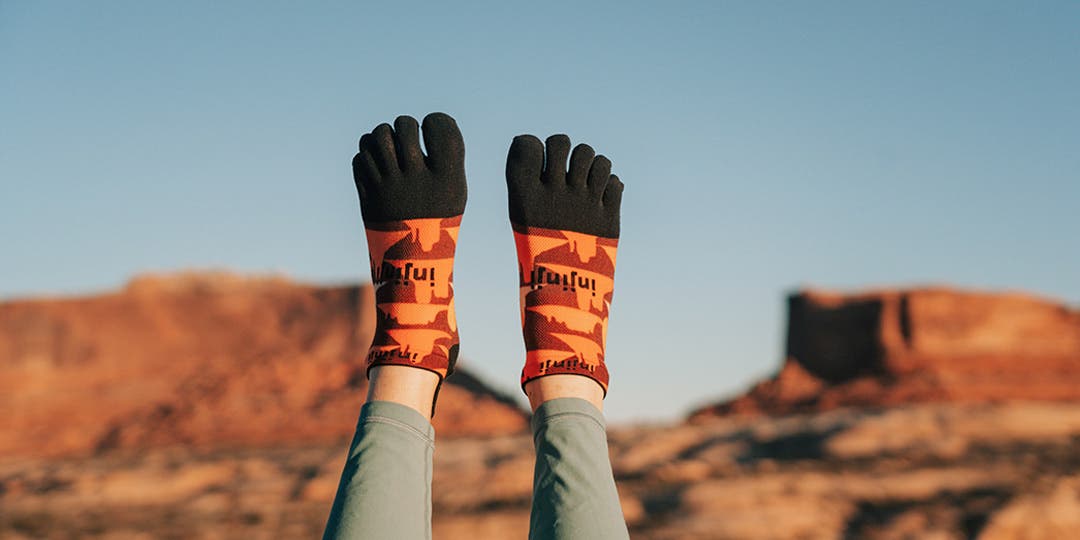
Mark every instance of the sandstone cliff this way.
pixel 204 361
pixel 920 345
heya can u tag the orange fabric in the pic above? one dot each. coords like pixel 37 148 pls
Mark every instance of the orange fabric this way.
pixel 412 267
pixel 566 282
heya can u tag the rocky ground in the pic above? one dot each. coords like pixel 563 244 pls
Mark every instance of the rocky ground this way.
pixel 993 471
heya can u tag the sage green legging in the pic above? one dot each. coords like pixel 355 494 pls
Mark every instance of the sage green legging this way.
pixel 385 489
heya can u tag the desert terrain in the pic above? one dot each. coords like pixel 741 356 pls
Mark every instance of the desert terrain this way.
pixel 220 406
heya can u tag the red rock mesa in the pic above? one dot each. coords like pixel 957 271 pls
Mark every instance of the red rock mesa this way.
pixel 202 360
pixel 889 347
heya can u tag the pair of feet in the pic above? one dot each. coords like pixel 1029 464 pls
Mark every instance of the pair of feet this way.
pixel 566 228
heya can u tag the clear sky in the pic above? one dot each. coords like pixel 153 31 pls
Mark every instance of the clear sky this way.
pixel 764 145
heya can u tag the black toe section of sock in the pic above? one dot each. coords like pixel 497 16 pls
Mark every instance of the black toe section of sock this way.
pixel 612 201
pixel 383 149
pixel 442 139
pixel 365 172
pixel 407 143
pixel 544 193
pixel 599 173
pixel 558 149
pixel 613 193
pixel 525 161
pixel 396 181
pixel 580 162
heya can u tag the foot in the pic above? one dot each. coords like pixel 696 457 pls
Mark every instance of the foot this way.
pixel 412 206
pixel 566 228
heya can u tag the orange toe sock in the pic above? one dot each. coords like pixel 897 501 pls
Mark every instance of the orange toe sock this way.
pixel 566 282
pixel 412 268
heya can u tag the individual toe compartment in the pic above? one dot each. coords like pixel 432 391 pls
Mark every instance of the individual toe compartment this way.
pixel 365 172
pixel 382 149
pixel 612 203
pixel 558 149
pixel 407 143
pixel 580 161
pixel 524 161
pixel 613 193
pixel 599 174
pixel 443 142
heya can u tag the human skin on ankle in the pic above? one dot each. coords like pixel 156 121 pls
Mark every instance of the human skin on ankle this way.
pixel 564 386
pixel 414 388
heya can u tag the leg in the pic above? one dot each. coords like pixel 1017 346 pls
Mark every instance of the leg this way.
pixel 574 495
pixel 385 489
pixel 412 206
pixel 566 228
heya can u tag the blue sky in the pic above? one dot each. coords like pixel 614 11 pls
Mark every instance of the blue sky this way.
pixel 765 146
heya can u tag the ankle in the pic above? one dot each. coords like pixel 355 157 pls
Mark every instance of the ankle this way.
pixel 551 387
pixel 409 386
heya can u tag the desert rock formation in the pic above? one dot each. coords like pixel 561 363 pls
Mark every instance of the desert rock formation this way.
pixel 203 361
pixel 921 345
pixel 215 406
